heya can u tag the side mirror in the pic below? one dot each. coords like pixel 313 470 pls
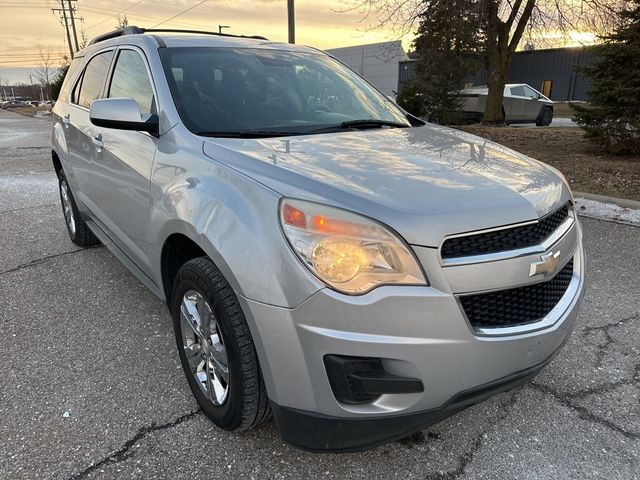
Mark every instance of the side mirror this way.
pixel 122 114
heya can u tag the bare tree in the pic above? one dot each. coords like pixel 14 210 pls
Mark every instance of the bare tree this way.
pixel 84 41
pixel 504 23
pixel 123 21
pixel 46 71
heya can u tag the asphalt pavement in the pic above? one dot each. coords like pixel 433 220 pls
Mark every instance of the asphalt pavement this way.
pixel 91 385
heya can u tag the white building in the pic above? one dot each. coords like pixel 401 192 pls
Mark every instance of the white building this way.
pixel 377 62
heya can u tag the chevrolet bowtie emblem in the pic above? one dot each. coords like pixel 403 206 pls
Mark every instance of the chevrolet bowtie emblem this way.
pixel 547 264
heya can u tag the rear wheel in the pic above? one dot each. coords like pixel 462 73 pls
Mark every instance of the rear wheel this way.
pixel 78 230
pixel 216 349
pixel 545 117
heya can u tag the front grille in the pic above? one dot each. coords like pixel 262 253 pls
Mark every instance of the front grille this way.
pixel 516 306
pixel 506 239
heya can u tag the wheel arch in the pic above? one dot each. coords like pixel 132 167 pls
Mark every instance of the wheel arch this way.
pixel 185 244
pixel 57 164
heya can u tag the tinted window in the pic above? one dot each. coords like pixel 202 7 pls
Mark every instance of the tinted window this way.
pixel 236 89
pixel 93 78
pixel 130 80
pixel 530 92
pixel 76 90
pixel 517 91
pixel 70 78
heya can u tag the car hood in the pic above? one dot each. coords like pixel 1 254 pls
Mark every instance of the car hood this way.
pixel 425 182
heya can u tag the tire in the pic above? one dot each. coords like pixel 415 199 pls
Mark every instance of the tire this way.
pixel 546 116
pixel 204 307
pixel 78 230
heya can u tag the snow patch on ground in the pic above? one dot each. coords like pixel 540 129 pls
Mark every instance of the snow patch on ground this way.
pixel 607 211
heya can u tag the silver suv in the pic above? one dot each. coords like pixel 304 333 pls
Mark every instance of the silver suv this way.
pixel 326 257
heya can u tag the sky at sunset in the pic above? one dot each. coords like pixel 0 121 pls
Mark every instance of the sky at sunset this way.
pixel 29 25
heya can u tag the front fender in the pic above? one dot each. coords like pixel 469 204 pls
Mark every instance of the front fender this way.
pixel 235 221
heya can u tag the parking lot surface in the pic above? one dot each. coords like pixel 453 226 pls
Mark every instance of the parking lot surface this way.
pixel 91 385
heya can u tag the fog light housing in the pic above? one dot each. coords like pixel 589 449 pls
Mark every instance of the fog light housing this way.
pixel 358 380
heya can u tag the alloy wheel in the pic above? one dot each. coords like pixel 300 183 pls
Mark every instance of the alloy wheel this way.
pixel 67 208
pixel 204 347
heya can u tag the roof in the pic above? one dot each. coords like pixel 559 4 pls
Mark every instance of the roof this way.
pixel 175 38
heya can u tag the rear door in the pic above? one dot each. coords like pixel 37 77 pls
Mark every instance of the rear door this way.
pixel 120 189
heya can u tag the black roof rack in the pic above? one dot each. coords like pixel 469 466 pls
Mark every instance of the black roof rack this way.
pixel 133 30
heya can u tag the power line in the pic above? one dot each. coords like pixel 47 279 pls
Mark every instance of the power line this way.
pixel 29 54
pixel 115 14
pixel 178 14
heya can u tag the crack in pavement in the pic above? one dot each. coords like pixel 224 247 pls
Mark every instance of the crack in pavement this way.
pixel 125 451
pixel 34 207
pixel 591 328
pixel 568 399
pixel 39 261
pixel 466 458
pixel 602 349
pixel 583 412
pixel 607 387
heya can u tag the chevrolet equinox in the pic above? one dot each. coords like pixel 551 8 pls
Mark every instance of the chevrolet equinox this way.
pixel 326 257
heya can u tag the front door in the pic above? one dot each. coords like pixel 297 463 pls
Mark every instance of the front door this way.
pixel 121 189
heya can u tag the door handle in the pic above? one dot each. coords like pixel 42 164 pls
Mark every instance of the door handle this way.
pixel 66 120
pixel 97 141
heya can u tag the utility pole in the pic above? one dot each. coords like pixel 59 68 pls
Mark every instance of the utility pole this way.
pixel 72 11
pixel 33 92
pixel 63 10
pixel 220 27
pixel 291 14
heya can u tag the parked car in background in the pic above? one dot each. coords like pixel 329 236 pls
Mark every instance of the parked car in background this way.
pixel 521 104
pixel 14 104
pixel 46 103
pixel 326 257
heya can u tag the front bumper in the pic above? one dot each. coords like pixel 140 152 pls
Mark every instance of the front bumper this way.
pixel 418 332
pixel 322 433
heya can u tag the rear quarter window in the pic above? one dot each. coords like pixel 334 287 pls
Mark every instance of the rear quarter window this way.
pixel 70 78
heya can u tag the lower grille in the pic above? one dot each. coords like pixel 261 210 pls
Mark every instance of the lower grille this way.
pixel 516 306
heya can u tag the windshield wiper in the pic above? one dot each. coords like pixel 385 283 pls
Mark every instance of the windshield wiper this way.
pixel 247 134
pixel 361 124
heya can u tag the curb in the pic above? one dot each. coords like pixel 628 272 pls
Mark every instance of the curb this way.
pixel 621 202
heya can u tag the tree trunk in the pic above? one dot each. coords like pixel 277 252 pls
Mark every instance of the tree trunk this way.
pixel 499 57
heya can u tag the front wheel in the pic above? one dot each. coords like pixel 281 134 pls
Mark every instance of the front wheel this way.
pixel 216 349
pixel 545 118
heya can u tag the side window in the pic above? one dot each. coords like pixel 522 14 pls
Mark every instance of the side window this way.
pixel 70 80
pixel 75 94
pixel 530 92
pixel 131 80
pixel 517 91
pixel 93 78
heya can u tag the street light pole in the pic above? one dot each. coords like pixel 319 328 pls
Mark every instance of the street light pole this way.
pixel 291 14
pixel 220 27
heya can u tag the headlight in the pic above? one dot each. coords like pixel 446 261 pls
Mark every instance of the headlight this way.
pixel 348 252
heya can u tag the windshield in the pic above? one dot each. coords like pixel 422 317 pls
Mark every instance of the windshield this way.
pixel 218 90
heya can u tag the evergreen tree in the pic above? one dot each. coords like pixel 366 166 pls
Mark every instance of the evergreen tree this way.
pixel 447 45
pixel 56 86
pixel 612 120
